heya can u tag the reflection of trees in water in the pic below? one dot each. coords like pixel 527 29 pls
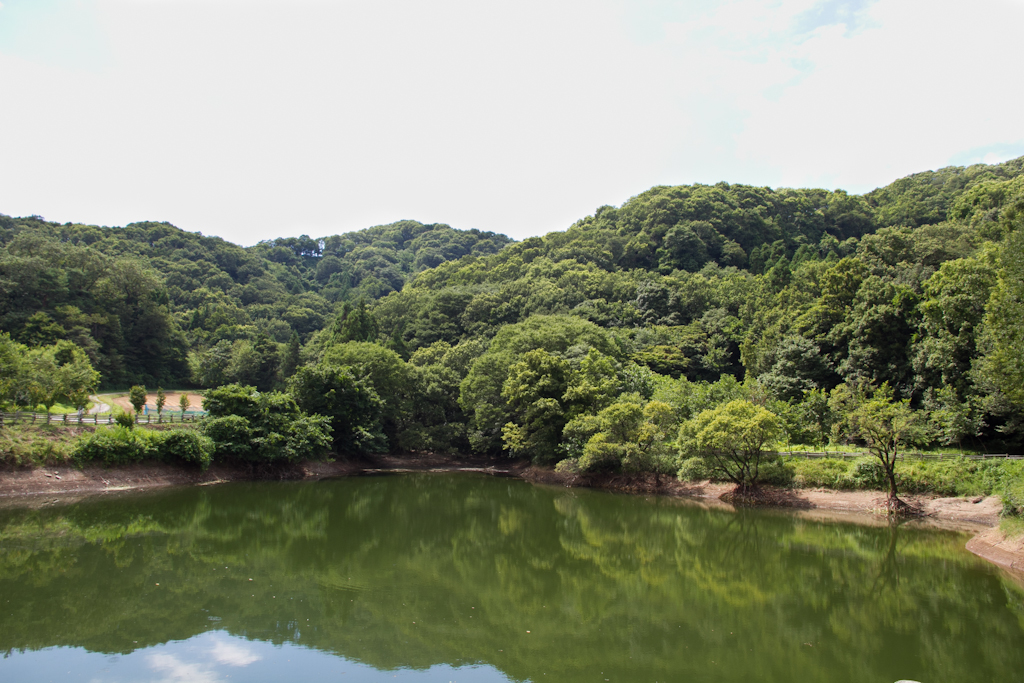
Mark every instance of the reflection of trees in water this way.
pixel 888 573
pixel 592 575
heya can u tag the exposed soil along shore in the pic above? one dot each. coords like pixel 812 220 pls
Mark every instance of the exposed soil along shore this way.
pixel 38 487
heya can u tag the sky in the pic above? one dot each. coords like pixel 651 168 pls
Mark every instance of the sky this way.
pixel 255 119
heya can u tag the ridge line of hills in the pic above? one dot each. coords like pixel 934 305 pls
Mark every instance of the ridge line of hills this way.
pixel 802 289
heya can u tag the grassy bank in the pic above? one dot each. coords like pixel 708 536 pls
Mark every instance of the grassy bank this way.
pixel 949 477
pixel 41 445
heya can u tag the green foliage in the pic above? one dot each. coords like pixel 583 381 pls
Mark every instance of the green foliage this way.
pixel 885 425
pixel 1002 366
pixel 125 418
pixel 776 472
pixel 830 473
pixel 186 445
pixel 868 474
pixel 137 397
pixel 45 375
pixel 630 436
pixel 353 406
pixel 550 339
pixel 693 469
pixel 694 296
pixel 117 446
pixel 263 427
pixel 33 446
pixel 384 372
pixel 733 440
pixel 161 401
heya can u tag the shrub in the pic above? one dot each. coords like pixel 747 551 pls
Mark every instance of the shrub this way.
pixel 954 477
pixel 116 446
pixel 868 474
pixel 232 435
pixel 186 445
pixel 568 466
pixel 1013 500
pixel 776 472
pixel 693 469
pixel 125 419
pixel 827 472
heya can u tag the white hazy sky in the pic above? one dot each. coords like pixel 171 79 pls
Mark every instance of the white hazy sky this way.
pixel 257 119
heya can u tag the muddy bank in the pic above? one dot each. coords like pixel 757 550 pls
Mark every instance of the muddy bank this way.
pixel 25 486
pixel 980 516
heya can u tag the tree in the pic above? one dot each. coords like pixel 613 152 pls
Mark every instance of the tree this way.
pixel 352 405
pixel 12 356
pixel 76 376
pixel 732 439
pixel 290 357
pixel 533 392
pixel 628 435
pixel 884 424
pixel 161 400
pixel 480 393
pixel 1002 365
pixel 184 403
pixel 385 372
pixel 263 426
pixel 137 397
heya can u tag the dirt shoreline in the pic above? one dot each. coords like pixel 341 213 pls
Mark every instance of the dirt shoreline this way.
pixel 980 516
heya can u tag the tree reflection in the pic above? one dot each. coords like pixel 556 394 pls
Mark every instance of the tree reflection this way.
pixel 412 571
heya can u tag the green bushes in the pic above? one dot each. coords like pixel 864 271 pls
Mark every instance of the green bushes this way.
pixel 867 474
pixel 776 472
pixel 693 469
pixel 116 446
pixel 122 446
pixel 188 446
pixel 827 472
pixel 263 427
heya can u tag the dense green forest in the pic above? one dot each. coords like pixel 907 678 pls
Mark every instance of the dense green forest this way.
pixel 592 345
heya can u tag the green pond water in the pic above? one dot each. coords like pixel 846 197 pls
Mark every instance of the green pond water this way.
pixel 468 578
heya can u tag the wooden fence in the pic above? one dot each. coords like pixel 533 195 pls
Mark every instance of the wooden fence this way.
pixel 93 419
pixel 906 456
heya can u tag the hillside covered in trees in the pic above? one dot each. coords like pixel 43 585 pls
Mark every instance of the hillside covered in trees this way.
pixel 591 345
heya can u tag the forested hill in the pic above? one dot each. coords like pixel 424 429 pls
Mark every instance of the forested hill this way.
pixel 139 298
pixel 917 284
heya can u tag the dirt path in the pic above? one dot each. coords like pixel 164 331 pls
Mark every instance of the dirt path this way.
pixel 98 406
pixel 980 516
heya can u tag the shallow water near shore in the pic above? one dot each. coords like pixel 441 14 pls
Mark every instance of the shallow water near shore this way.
pixel 469 578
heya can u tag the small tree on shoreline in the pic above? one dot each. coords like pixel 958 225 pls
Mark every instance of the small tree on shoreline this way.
pixel 885 425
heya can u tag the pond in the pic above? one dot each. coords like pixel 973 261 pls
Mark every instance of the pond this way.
pixel 468 578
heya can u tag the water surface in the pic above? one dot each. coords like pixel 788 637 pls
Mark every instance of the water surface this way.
pixel 468 578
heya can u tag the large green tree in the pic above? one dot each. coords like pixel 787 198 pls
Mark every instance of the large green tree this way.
pixel 734 439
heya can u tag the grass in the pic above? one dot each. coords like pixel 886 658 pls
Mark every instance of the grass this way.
pixel 860 450
pixel 1013 527
pixel 36 446
pixel 949 477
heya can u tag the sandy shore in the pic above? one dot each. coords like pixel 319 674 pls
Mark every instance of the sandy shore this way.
pixel 979 515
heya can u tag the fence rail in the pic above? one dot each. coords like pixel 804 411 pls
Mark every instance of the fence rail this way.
pixel 906 456
pixel 92 419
